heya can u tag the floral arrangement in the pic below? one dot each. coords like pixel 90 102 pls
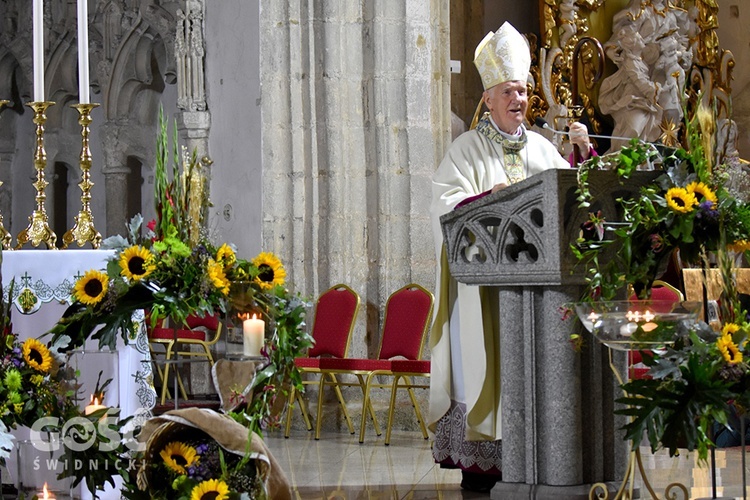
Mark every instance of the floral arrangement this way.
pixel 191 465
pixel 29 384
pixel 687 208
pixel 703 377
pixel 171 269
pixel 36 383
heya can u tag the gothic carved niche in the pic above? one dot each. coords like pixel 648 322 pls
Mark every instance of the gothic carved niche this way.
pixel 664 52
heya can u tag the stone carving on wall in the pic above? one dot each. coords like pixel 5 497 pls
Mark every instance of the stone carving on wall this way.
pixel 132 53
pixel 189 54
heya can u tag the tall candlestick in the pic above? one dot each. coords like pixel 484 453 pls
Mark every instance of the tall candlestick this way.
pixel 83 52
pixel 38 45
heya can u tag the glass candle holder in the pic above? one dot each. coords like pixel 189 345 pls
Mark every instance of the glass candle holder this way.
pixel 90 370
pixel 38 469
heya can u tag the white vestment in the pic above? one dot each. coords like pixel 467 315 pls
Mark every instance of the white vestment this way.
pixel 465 347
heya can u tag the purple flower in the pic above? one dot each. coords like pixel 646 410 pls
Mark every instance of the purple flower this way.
pixel 707 211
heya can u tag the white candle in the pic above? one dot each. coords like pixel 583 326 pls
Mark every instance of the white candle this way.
pixel 83 52
pixel 38 47
pixel 94 406
pixel 253 330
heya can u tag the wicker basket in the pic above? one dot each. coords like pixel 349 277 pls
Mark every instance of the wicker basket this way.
pixel 191 424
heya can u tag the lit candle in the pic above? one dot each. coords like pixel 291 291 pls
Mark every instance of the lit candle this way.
pixel 93 406
pixel 45 494
pixel 38 48
pixel 253 330
pixel 83 52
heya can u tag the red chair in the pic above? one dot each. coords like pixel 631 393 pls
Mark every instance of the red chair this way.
pixel 335 314
pixel 660 291
pixel 408 314
pixel 202 331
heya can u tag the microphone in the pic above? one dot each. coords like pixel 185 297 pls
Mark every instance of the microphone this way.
pixel 542 123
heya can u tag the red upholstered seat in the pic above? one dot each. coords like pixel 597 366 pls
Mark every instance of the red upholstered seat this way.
pixel 335 314
pixel 171 334
pixel 410 366
pixel 664 296
pixel 203 331
pixel 307 362
pixel 356 364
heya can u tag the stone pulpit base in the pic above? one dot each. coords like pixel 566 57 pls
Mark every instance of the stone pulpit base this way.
pixel 560 435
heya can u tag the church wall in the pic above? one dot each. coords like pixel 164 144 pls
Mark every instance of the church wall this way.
pixel 233 98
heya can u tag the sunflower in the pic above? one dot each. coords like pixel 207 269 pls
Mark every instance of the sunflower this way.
pixel 212 489
pixel 36 355
pixel 218 277
pixel 729 350
pixel 680 200
pixel 225 255
pixel 730 329
pixel 91 288
pixel 739 246
pixel 270 270
pixel 136 263
pixel 177 456
pixel 700 189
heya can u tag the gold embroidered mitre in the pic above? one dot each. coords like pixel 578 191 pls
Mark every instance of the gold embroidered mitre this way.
pixel 503 56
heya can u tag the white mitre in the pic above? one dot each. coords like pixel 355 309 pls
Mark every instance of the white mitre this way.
pixel 503 56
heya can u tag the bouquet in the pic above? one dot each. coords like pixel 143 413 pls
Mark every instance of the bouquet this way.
pixel 196 454
pixel 703 377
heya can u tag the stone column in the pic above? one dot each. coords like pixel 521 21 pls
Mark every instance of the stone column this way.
pixel 355 119
pixel 194 127
pixel 116 173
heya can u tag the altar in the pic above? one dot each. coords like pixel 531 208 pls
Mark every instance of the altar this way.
pixel 43 281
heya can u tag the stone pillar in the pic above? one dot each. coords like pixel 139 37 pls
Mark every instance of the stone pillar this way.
pixel 116 173
pixel 194 127
pixel 355 119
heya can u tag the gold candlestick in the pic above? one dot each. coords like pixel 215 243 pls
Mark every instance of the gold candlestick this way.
pixel 38 230
pixel 84 231
pixel 5 237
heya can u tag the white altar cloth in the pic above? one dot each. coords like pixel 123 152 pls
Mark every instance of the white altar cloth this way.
pixel 44 280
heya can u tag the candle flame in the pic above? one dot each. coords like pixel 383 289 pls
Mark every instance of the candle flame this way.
pixel 95 400
pixel 255 316
pixel 46 493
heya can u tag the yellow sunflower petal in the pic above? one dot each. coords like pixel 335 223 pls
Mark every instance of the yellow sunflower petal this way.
pixel 212 489
pixel 271 273
pixel 36 355
pixel 177 456
pixel 739 246
pixel 680 200
pixel 225 255
pixel 91 288
pixel 701 189
pixel 136 263
pixel 218 277
pixel 729 350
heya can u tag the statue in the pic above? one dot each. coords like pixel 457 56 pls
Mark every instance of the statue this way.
pixel 665 56
pixel 629 95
